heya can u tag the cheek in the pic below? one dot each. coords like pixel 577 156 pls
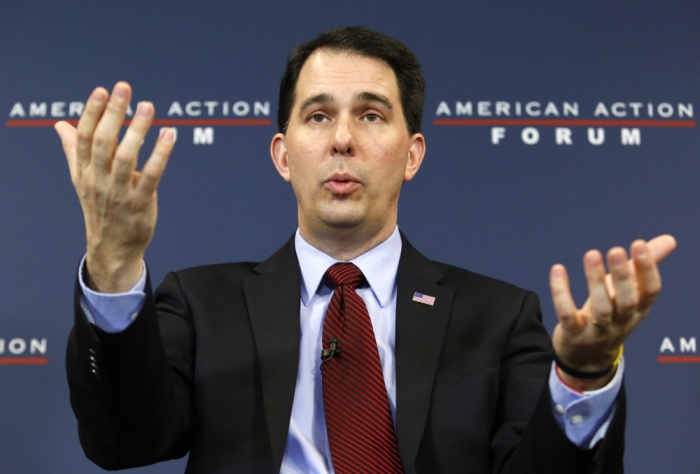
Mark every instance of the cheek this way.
pixel 303 156
pixel 303 180
pixel 387 157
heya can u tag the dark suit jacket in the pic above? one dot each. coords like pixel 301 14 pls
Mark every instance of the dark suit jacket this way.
pixel 209 366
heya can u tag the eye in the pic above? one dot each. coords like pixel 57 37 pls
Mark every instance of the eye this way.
pixel 318 118
pixel 372 118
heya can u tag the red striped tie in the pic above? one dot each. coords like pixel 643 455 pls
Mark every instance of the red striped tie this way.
pixel 358 416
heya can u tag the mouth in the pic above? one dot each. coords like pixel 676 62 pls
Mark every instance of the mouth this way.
pixel 342 184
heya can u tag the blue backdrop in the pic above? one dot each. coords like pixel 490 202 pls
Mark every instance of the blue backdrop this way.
pixel 509 210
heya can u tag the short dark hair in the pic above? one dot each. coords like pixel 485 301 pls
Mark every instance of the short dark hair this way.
pixel 367 43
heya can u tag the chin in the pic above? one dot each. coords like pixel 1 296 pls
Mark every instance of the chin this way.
pixel 342 223
pixel 345 219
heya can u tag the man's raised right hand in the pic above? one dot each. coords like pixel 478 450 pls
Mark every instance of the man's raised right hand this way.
pixel 119 203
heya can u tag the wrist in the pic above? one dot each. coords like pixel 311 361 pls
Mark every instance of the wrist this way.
pixel 112 275
pixel 588 379
pixel 583 385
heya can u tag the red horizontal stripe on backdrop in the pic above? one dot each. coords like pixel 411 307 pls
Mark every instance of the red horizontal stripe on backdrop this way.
pixel 566 122
pixel 157 122
pixel 678 359
pixel 24 360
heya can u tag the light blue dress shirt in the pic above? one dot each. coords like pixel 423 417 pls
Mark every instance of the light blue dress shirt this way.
pixel 584 417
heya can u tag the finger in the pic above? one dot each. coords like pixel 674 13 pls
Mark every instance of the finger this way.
pixel 600 302
pixel 104 140
pixel 86 125
pixel 610 286
pixel 624 283
pixel 648 277
pixel 127 152
pixel 154 167
pixel 660 247
pixel 564 304
pixel 66 132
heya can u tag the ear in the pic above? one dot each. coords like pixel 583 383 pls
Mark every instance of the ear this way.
pixel 416 152
pixel 278 152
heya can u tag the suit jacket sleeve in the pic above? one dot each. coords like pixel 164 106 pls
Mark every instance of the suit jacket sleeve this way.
pixel 130 395
pixel 543 447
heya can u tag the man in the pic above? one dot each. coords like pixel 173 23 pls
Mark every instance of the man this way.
pixel 302 364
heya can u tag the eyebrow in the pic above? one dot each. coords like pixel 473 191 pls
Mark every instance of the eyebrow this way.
pixel 372 97
pixel 316 99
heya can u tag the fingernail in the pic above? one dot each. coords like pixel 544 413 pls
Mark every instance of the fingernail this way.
pixel 120 92
pixel 617 258
pixel 98 97
pixel 167 135
pixel 143 109
pixel 642 252
pixel 592 259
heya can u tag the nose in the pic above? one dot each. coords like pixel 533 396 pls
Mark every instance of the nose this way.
pixel 343 137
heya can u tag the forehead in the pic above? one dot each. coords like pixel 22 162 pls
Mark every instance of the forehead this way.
pixel 341 73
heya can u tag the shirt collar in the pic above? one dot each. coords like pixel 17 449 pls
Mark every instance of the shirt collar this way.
pixel 379 266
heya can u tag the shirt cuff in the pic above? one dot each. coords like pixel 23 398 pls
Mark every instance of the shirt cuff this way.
pixel 112 312
pixel 584 416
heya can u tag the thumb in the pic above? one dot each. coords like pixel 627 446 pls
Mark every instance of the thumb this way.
pixel 67 134
pixel 564 305
pixel 660 247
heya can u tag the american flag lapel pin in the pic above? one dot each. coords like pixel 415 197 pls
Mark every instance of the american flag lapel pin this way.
pixel 423 299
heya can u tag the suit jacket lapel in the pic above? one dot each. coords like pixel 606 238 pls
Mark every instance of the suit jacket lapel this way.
pixel 420 330
pixel 273 299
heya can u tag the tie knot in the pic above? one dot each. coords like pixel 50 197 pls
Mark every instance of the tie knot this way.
pixel 344 274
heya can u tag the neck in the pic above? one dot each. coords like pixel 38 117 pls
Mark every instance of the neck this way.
pixel 346 244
